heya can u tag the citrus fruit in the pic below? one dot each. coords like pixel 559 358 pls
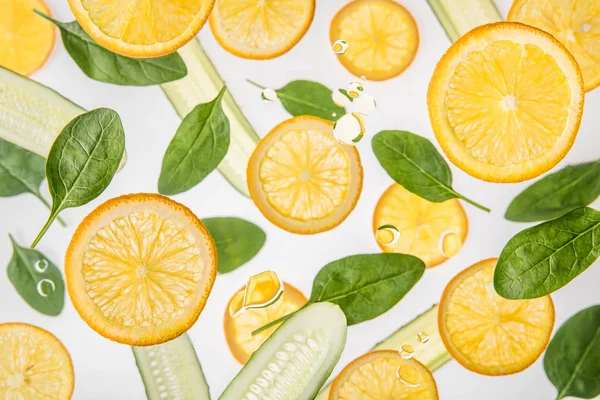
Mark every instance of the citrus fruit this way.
pixel 26 39
pixel 302 179
pixel 260 29
pixel 34 365
pixel 384 374
pixel 382 38
pixel 576 24
pixel 142 29
pixel 421 224
pixel 140 268
pixel 487 333
pixel 240 325
pixel 505 102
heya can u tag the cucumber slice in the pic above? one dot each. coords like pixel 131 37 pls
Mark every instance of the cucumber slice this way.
pixel 460 16
pixel 201 85
pixel 171 371
pixel 297 358
pixel 432 354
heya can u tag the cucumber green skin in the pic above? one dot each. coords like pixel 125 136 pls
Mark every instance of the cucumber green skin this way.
pixel 324 317
pixel 186 374
pixel 201 85
pixel 471 14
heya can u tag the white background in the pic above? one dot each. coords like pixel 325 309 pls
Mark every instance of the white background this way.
pixel 106 370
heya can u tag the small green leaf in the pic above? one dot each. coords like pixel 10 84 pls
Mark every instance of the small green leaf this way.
pixel 556 194
pixel 413 162
pixel 198 147
pixel 572 360
pixel 237 241
pixel 36 279
pixel 83 160
pixel 105 66
pixel 545 257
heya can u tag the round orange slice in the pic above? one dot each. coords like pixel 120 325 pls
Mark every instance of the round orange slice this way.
pixel 302 179
pixel 434 232
pixel 573 23
pixel 384 374
pixel 382 38
pixel 34 365
pixel 140 268
pixel 505 102
pixel 260 29
pixel 26 39
pixel 240 325
pixel 489 334
pixel 142 29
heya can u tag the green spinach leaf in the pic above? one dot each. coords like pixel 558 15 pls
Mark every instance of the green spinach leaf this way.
pixel 36 279
pixel 198 147
pixel 556 194
pixel 572 360
pixel 544 258
pixel 413 162
pixel 105 66
pixel 237 241
pixel 83 160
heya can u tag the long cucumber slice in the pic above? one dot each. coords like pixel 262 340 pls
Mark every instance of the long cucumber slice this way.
pixel 432 354
pixel 297 358
pixel 201 85
pixel 460 16
pixel 171 371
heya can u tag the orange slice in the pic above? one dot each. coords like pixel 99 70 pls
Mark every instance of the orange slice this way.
pixel 26 39
pixel 239 326
pixel 576 24
pixel 505 102
pixel 140 268
pixel 434 232
pixel 384 374
pixel 302 179
pixel 34 365
pixel 260 29
pixel 382 38
pixel 489 334
pixel 142 29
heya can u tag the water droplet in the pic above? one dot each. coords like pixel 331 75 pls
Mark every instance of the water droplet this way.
pixel 339 46
pixel 45 287
pixel 585 28
pixel 41 265
pixel 423 337
pixel 355 89
pixel 269 94
pixel 387 235
pixel 334 115
pixel 365 104
pixel 409 376
pixel 450 244
pixel 339 99
pixel 349 129
pixel 363 78
pixel 407 351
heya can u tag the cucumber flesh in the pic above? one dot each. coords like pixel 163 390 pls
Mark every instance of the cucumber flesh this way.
pixel 297 358
pixel 460 16
pixel 171 371
pixel 201 85
pixel 432 354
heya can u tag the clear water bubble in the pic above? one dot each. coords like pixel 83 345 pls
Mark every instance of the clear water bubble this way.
pixel 349 129
pixel 339 99
pixel 269 94
pixel 409 376
pixel 334 115
pixel 387 235
pixel 339 46
pixel 585 28
pixel 355 89
pixel 423 337
pixel 450 244
pixel 365 104
pixel 41 265
pixel 45 287
pixel 407 351
pixel 363 78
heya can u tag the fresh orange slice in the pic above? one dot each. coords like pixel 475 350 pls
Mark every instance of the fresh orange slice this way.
pixel 382 38
pixel 505 102
pixel 489 334
pixel 260 29
pixel 434 232
pixel 302 179
pixel 576 24
pixel 34 365
pixel 384 374
pixel 142 29
pixel 140 268
pixel 26 39
pixel 239 325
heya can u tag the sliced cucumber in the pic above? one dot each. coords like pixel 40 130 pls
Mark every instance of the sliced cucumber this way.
pixel 460 16
pixel 201 85
pixel 297 358
pixel 171 371
pixel 432 354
